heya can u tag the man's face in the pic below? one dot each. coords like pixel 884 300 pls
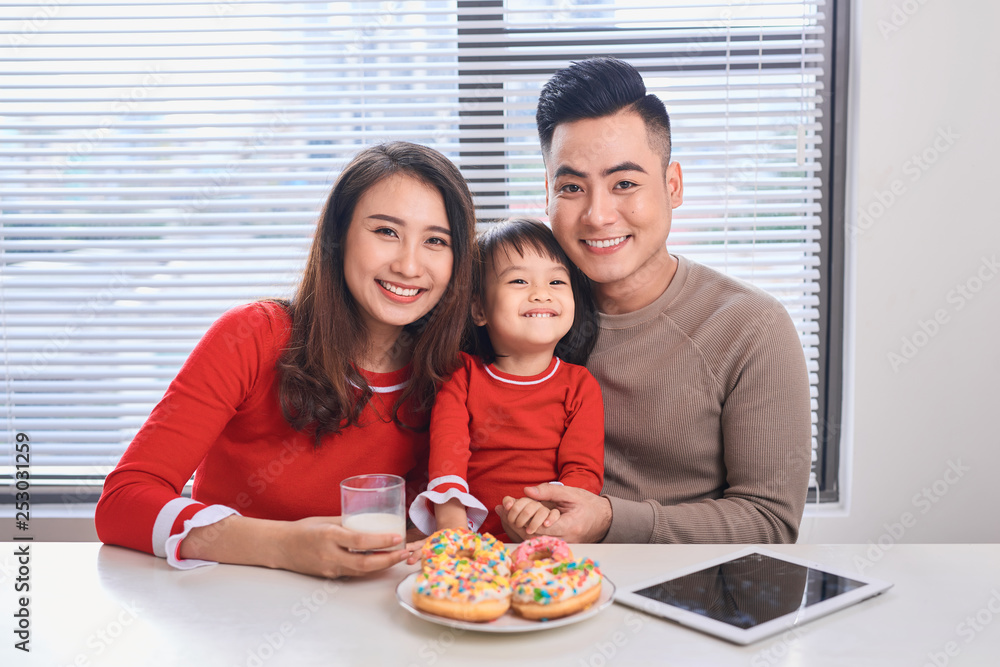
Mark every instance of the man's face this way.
pixel 610 201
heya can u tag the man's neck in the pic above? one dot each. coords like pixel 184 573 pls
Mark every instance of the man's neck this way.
pixel 638 290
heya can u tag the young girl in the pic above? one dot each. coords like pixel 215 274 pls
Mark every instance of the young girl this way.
pixel 280 401
pixel 521 411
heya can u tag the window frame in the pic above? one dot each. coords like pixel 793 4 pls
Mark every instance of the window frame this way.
pixel 830 440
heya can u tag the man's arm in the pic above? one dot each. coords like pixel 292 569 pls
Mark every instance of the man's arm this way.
pixel 766 450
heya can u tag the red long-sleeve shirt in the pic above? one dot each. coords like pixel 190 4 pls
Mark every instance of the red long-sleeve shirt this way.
pixel 493 433
pixel 220 419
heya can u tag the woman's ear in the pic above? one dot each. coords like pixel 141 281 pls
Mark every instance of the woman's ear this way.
pixel 478 314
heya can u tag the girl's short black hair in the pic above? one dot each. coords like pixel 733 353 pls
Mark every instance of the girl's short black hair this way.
pixel 519 235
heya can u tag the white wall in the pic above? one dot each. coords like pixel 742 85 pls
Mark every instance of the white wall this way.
pixel 924 82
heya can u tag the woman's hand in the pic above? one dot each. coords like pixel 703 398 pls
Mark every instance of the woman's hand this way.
pixel 318 546
pixel 322 547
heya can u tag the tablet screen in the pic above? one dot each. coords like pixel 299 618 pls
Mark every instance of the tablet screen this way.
pixel 750 590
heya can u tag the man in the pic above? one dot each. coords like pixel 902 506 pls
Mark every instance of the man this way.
pixel 706 393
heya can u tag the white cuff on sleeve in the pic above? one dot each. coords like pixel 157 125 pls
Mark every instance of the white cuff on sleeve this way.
pixel 206 517
pixel 422 509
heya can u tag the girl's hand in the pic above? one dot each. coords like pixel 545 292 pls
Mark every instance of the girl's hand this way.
pixel 526 516
pixel 414 549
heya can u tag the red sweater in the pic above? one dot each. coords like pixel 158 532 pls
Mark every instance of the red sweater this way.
pixel 493 433
pixel 221 420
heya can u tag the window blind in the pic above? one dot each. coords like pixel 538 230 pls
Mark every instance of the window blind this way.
pixel 162 162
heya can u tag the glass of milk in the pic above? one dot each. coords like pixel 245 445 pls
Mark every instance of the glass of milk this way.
pixel 374 504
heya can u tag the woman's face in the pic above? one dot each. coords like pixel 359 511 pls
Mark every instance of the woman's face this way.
pixel 398 253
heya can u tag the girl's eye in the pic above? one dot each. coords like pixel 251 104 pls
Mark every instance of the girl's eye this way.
pixel 557 282
pixel 518 281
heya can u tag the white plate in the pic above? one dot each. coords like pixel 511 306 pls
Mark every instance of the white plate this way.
pixel 509 622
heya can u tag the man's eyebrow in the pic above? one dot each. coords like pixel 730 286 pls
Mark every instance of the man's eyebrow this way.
pixel 628 165
pixel 624 166
pixel 402 223
pixel 565 170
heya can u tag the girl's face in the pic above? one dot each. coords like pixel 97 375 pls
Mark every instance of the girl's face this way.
pixel 528 303
pixel 397 255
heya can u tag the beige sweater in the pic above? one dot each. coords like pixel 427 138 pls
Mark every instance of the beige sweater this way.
pixel 707 415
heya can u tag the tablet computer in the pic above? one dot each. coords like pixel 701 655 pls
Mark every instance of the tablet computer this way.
pixel 749 595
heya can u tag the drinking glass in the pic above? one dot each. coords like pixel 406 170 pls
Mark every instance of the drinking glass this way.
pixel 374 504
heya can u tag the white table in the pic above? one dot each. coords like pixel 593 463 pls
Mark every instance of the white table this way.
pixel 100 605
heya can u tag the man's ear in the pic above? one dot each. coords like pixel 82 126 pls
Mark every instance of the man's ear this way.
pixel 478 314
pixel 675 184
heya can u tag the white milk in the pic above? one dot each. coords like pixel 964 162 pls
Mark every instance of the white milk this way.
pixel 377 522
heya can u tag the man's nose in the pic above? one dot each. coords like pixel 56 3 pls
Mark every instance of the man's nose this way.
pixel 601 210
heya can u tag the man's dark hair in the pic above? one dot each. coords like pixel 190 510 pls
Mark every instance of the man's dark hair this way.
pixel 600 87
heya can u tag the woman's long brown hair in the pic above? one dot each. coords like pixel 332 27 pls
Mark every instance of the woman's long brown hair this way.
pixel 320 388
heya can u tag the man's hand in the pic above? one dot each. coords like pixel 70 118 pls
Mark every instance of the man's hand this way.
pixel 583 517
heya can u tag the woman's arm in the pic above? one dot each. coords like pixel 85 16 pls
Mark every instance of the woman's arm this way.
pixel 318 546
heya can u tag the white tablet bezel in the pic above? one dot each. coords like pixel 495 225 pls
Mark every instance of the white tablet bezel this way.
pixel 628 596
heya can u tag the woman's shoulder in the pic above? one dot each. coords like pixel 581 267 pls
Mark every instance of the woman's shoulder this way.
pixel 259 322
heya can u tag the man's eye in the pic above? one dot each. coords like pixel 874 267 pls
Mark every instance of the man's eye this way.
pixel 570 187
pixel 625 185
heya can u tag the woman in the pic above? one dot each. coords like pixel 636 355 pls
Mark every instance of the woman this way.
pixel 281 401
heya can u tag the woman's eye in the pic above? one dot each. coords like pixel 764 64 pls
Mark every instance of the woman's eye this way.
pixel 385 231
pixel 436 240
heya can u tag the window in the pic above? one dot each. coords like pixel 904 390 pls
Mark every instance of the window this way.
pixel 162 162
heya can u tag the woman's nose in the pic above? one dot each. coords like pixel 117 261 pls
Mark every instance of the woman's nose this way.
pixel 407 262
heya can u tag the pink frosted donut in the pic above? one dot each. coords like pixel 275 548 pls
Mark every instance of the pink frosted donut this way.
pixel 540 548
